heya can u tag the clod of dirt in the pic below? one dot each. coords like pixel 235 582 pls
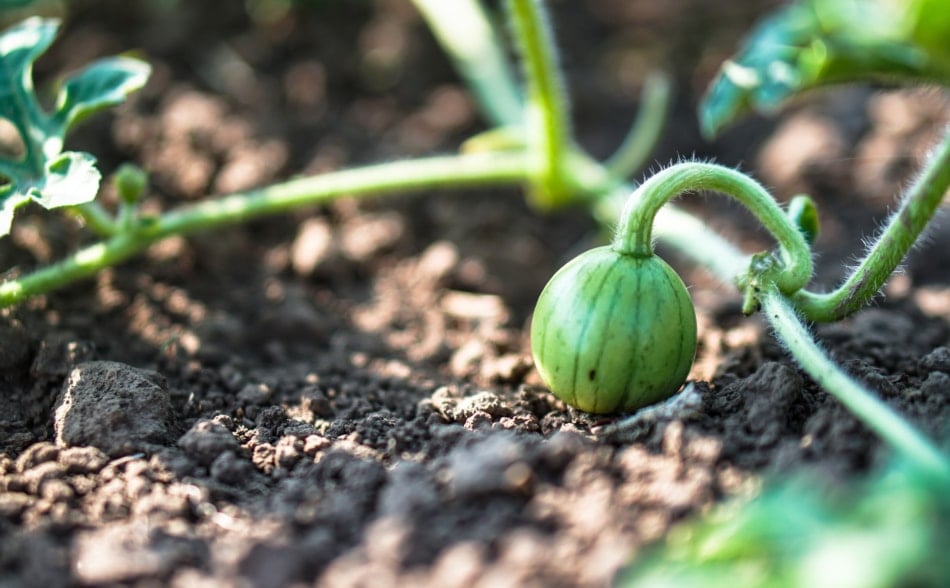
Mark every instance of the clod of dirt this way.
pixel 937 360
pixel 207 440
pixel 757 412
pixel 485 403
pixel 495 464
pixel 82 460
pixel 114 407
pixel 228 468
pixel 129 551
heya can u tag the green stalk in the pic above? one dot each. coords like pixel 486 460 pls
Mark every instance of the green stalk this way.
pixel 466 33
pixel 645 132
pixel 634 234
pixel 905 226
pixel 548 129
pixel 692 238
pixel 96 218
pixel 873 412
pixel 500 97
pixel 387 178
pixel 680 230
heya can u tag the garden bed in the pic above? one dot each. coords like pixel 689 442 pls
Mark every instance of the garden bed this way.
pixel 345 395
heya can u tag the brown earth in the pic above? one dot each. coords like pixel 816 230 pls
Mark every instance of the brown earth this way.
pixel 344 396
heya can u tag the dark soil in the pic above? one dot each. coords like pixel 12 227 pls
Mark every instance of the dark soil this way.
pixel 345 396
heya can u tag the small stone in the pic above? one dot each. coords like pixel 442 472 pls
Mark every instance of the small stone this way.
pixel 114 407
pixel 288 452
pixel 478 420
pixel 369 234
pixel 207 440
pixel 228 468
pixel 254 394
pixel 264 457
pixel 315 399
pixel 36 454
pixel 314 443
pixel 471 306
pixel 56 491
pixel 36 477
pixel 438 261
pixel 313 246
pixel 82 460
pixel 487 402
pixel 7 465
pixel 937 360
pixel 510 368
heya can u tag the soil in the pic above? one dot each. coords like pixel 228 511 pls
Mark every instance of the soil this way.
pixel 344 396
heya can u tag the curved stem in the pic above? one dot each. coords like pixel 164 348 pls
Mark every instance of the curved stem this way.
pixel 547 121
pixel 634 234
pixel 877 415
pixel 905 226
pixel 682 231
pixel 645 132
pixel 402 176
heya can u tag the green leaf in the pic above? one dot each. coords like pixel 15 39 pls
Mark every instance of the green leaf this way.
pixel 103 84
pixel 71 178
pixel 888 530
pixel 818 42
pixel 45 174
pixel 20 45
pixel 10 4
